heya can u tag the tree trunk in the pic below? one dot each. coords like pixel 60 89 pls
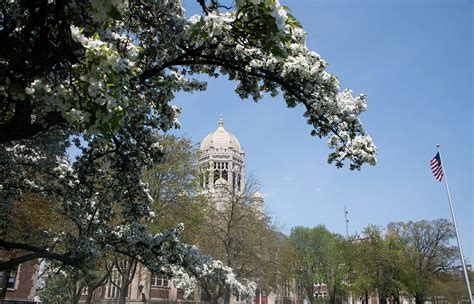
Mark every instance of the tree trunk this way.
pixel 92 286
pixel 76 294
pixel 215 300
pixel 126 270
pixel 366 297
pixel 419 299
pixel 75 300
pixel 397 299
pixel 123 294
pixel 333 295
pixel 89 297
pixel 227 297
pixel 309 290
pixel 213 292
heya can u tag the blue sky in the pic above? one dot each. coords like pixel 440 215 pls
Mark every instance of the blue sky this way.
pixel 414 60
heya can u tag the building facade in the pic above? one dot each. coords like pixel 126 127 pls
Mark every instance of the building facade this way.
pixel 21 283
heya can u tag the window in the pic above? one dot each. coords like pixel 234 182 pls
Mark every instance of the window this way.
pixel 286 288
pixel 12 278
pixel 158 281
pixel 112 289
pixel 221 170
pixel 300 292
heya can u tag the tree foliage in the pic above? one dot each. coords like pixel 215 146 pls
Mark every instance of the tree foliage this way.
pixel 428 251
pixel 377 265
pixel 408 259
pixel 241 235
pixel 174 187
pixel 318 259
pixel 61 285
pixel 411 260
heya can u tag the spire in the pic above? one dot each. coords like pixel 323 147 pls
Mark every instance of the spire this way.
pixel 221 122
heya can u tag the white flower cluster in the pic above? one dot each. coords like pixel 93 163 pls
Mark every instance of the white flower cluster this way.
pixel 102 78
pixel 205 268
pixel 63 167
pixel 219 26
pixel 25 153
pixel 280 15
pixel 183 280
pixel 358 148
pixel 277 11
pixel 210 28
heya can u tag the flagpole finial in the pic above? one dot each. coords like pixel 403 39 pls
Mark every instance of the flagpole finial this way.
pixel 221 121
pixel 437 145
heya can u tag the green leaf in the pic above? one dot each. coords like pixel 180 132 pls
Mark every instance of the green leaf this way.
pixel 115 14
pixel 115 121
pixel 279 52
pixel 293 21
pixel 96 36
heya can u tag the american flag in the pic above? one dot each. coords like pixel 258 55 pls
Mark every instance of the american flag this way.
pixel 437 168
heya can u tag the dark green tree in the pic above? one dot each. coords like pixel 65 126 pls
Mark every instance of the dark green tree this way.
pixel 428 251
pixel 318 259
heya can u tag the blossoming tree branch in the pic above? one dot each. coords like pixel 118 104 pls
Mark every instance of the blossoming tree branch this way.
pixel 101 76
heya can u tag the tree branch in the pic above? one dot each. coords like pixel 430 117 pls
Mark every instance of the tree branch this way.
pixel 36 252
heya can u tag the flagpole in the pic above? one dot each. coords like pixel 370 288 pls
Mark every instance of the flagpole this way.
pixel 455 226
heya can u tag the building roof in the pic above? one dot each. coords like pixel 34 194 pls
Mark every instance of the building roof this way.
pixel 221 139
pixel 220 182
pixel 257 195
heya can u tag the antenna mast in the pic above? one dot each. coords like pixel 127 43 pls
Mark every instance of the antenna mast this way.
pixel 347 221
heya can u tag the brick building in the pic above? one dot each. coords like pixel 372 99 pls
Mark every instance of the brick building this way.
pixel 22 282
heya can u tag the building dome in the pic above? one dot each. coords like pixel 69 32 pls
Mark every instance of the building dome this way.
pixel 221 139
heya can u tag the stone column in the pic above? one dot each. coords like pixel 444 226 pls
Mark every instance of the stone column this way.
pixel 230 172
pixel 242 179
pixel 211 175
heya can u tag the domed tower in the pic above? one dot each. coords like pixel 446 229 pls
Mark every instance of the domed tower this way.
pixel 222 161
pixel 258 202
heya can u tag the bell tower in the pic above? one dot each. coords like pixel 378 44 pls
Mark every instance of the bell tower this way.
pixel 222 161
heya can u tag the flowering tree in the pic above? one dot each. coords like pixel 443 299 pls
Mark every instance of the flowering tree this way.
pixel 100 76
